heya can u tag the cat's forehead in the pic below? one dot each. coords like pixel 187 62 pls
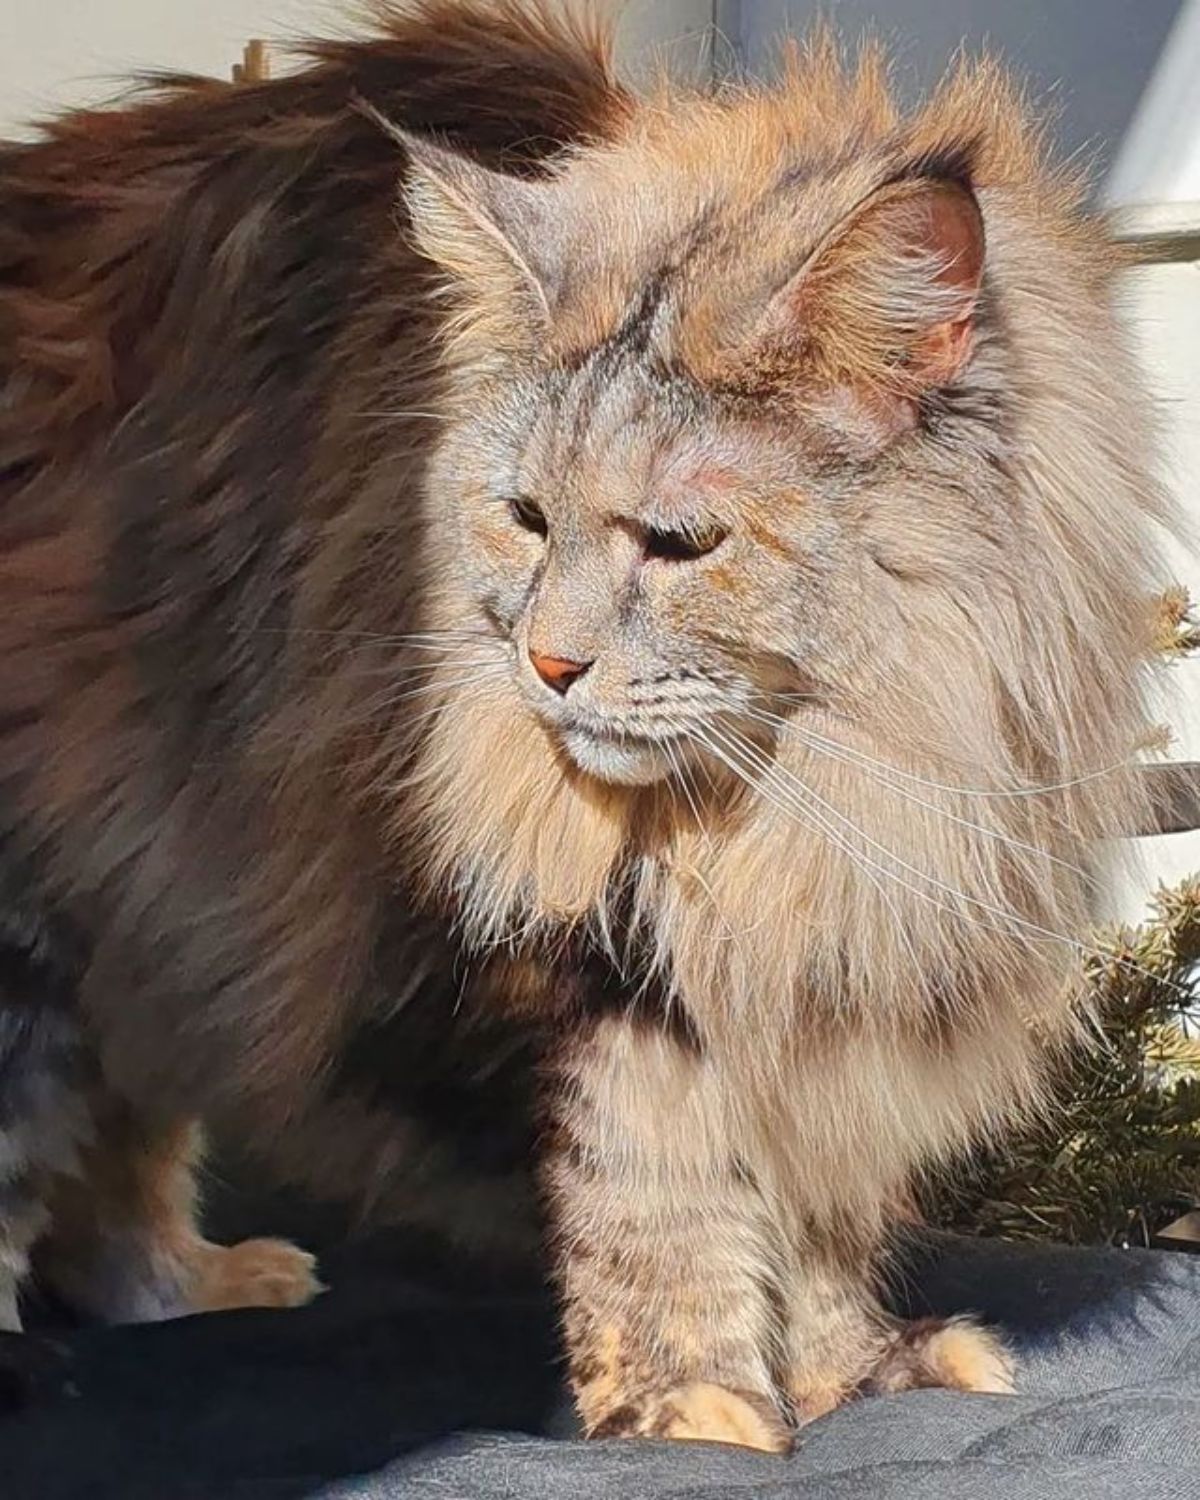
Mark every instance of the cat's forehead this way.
pixel 678 235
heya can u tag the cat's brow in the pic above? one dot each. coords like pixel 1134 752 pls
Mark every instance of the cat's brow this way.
pixel 684 493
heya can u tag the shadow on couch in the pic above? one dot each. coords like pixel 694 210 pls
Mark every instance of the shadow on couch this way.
pixel 408 1348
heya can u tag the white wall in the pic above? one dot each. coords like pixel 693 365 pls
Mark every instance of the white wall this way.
pixel 1164 309
pixel 1159 159
pixel 1088 60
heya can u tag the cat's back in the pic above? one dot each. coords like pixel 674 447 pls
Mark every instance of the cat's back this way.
pixel 111 217
pixel 195 288
pixel 189 283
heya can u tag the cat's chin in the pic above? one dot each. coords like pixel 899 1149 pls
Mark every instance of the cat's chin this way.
pixel 620 762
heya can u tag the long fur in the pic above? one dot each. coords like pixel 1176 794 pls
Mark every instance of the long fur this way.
pixel 260 747
pixel 984 738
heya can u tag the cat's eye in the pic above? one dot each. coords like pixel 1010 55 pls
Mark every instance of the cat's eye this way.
pixel 682 546
pixel 525 513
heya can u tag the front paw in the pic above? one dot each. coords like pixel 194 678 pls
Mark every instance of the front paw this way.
pixel 256 1273
pixel 701 1412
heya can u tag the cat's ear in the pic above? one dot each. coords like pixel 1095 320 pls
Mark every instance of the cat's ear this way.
pixel 883 310
pixel 492 233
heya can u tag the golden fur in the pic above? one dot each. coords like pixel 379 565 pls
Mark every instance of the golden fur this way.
pixel 1007 749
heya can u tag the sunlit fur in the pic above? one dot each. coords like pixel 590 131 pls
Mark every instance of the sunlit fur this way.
pixel 791 884
pixel 949 628
pixel 883 727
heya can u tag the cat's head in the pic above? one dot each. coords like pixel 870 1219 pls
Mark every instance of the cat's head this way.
pixel 733 408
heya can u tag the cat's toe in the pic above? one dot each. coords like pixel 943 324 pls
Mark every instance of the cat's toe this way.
pixel 816 1397
pixel 705 1413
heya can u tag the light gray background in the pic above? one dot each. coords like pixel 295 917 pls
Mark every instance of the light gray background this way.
pixel 1092 58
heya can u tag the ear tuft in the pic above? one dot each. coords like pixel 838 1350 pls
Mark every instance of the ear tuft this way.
pixel 480 225
pixel 881 311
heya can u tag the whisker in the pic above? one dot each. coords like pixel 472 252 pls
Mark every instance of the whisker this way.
pixel 386 637
pixel 486 674
pixel 890 854
pixel 358 672
pixel 1030 929
pixel 486 692
pixel 410 721
pixel 810 818
pixel 425 668
pixel 867 866
pixel 402 412
pixel 844 754
pixel 381 702
pixel 680 769
pixel 442 644
pixel 1036 790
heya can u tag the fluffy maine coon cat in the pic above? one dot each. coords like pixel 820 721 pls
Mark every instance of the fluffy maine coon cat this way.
pixel 667 576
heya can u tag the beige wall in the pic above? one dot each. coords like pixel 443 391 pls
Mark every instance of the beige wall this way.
pixel 58 53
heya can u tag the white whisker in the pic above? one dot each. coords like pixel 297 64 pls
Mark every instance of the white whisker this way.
pixel 400 413
pixel 877 772
pixel 813 820
pixel 1025 927
pixel 1039 790
pixel 380 702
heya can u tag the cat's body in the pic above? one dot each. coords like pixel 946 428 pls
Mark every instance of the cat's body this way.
pixel 692 608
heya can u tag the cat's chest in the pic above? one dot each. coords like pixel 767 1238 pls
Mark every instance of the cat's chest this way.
pixel 671 947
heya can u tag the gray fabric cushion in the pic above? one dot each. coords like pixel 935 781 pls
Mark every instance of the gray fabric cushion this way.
pixel 1109 1406
pixel 410 1378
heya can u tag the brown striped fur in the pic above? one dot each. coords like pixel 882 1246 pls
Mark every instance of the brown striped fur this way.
pixel 830 467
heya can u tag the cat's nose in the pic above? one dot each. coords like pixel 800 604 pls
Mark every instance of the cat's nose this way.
pixel 556 671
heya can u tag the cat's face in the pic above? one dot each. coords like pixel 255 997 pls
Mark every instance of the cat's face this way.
pixel 663 570
pixel 654 476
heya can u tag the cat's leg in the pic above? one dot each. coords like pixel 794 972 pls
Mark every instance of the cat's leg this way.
pixel 841 1342
pixel 44 1125
pixel 954 1353
pixel 663 1248
pixel 124 1244
pixel 836 1330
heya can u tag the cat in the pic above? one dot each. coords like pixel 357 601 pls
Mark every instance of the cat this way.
pixel 662 576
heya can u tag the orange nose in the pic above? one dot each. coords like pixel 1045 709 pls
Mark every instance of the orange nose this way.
pixel 556 671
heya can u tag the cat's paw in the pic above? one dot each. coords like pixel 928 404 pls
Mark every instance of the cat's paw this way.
pixel 954 1353
pixel 256 1273
pixel 702 1413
